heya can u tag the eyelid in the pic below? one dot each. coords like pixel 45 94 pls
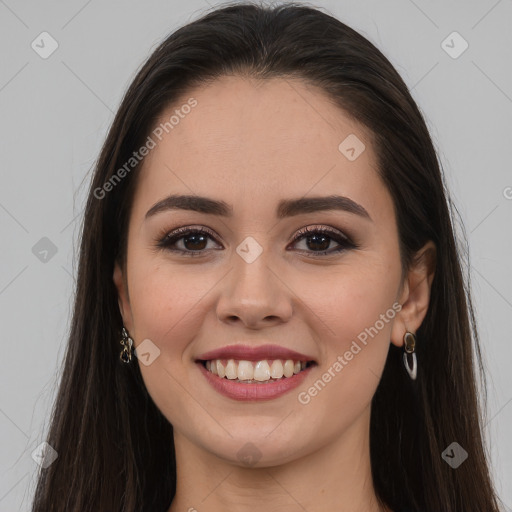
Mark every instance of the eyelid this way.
pixel 166 235
pixel 323 228
pixel 302 231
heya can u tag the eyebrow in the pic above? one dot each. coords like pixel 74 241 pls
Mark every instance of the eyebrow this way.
pixel 286 207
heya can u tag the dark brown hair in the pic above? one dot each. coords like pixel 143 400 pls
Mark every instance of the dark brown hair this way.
pixel 115 447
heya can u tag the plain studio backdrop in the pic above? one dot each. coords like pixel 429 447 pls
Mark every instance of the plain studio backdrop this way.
pixel 64 68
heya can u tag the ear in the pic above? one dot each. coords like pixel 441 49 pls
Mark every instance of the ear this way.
pixel 415 295
pixel 120 281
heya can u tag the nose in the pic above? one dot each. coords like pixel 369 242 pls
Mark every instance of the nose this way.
pixel 254 295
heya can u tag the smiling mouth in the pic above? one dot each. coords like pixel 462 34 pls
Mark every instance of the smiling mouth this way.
pixel 255 372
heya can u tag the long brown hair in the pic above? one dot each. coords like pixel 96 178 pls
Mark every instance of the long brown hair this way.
pixel 115 448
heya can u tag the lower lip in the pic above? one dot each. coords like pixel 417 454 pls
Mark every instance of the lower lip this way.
pixel 254 392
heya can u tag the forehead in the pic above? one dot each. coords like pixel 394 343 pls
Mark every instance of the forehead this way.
pixel 257 141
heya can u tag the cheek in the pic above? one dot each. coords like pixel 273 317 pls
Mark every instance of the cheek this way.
pixel 354 354
pixel 353 301
pixel 166 303
pixel 168 310
pixel 355 317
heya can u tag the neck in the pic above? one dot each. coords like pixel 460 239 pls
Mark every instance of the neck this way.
pixel 337 476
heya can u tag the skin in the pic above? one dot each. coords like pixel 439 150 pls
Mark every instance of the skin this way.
pixel 252 143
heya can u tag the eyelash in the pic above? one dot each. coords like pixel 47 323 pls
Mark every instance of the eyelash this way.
pixel 168 239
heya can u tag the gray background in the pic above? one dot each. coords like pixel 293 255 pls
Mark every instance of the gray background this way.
pixel 54 116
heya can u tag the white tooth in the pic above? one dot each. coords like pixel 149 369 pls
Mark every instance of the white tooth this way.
pixel 213 367
pixel 231 372
pixel 303 365
pixel 288 368
pixel 276 370
pixel 221 371
pixel 245 370
pixel 262 371
pixel 296 367
pixel 208 365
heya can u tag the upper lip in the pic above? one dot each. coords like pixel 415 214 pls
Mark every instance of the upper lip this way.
pixel 252 353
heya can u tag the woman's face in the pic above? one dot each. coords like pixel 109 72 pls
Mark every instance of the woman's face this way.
pixel 257 147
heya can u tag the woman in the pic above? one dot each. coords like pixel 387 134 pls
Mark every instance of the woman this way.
pixel 270 310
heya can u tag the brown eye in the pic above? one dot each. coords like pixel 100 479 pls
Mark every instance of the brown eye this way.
pixel 193 241
pixel 318 240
